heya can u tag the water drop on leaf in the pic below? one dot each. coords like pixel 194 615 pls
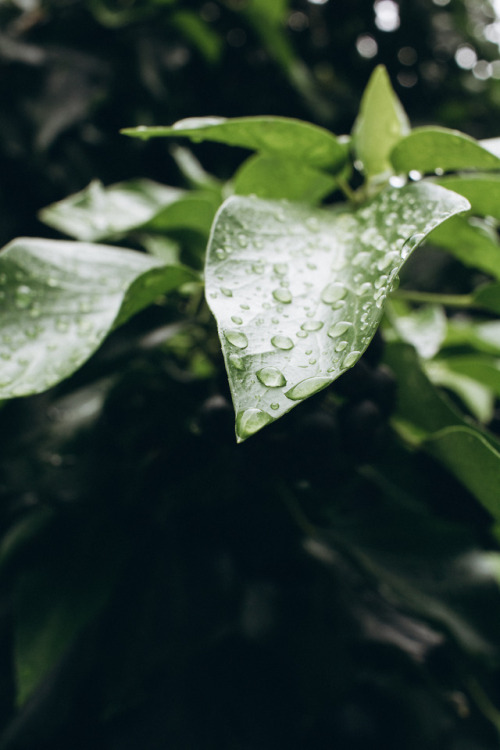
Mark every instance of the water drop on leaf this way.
pixel 236 338
pixel 337 329
pixel 271 377
pixel 236 362
pixel 333 293
pixel 282 295
pixel 307 388
pixel 312 325
pixel 282 342
pixel 237 320
pixel 351 359
pixel 250 421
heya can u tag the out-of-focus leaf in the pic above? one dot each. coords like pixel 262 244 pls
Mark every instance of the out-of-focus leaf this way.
pixel 199 33
pixel 473 244
pixel 59 300
pixel 424 328
pixel 298 292
pixel 482 192
pixel 476 396
pixel 472 459
pixel 483 336
pixel 98 213
pixel 194 211
pixel 273 179
pixel 276 136
pixel 381 123
pixel 429 149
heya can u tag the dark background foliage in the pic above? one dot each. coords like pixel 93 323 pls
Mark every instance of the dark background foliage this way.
pixel 161 583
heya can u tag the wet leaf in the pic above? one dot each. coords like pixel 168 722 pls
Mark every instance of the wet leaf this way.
pixel 59 300
pixel 276 136
pixel 298 293
pixel 99 212
pixel 381 123
pixel 429 149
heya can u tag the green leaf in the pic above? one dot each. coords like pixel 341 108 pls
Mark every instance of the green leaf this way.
pixel 482 336
pixel 482 192
pixel 298 293
pixel 424 328
pixel 98 213
pixel 381 123
pixel 194 211
pixel 59 300
pixel 272 179
pixel 199 33
pixel 429 149
pixel 476 396
pixel 488 296
pixel 471 458
pixel 276 136
pixel 474 244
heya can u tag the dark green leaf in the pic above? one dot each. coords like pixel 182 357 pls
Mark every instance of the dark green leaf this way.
pixel 59 300
pixel 276 136
pixel 298 293
pixel 429 149
pixel 482 192
pixel 474 244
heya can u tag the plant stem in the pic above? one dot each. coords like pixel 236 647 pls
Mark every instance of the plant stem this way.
pixel 448 300
pixel 349 193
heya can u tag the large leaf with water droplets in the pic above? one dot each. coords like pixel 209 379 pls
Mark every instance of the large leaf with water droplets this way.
pixel 298 292
pixel 381 123
pixel 429 149
pixel 275 136
pixel 59 300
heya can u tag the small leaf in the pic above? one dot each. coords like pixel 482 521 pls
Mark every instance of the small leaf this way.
pixel 276 136
pixel 97 213
pixel 471 458
pixel 429 149
pixel 482 192
pixel 194 211
pixel 476 396
pixel 272 179
pixel 473 243
pixel 381 123
pixel 302 290
pixel 424 328
pixel 59 300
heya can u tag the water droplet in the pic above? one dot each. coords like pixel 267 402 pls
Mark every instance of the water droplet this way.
pixel 351 359
pixel 258 267
pixel 312 361
pixel 362 259
pixel 271 377
pixel 250 421
pixel 242 240
pixel 312 325
pixel 337 329
pixel 307 388
pixel 386 260
pixel 282 295
pixel 236 362
pixel 282 342
pixel 410 244
pixel 23 297
pixel 280 269
pixel 62 325
pixel 226 292
pixel 236 320
pixel 312 223
pixel 220 253
pixel 380 301
pixel 275 406
pixel 341 346
pixel 363 289
pixel 245 307
pixel 302 334
pixel 5 355
pixel 380 282
pixel 237 339
pixel 333 293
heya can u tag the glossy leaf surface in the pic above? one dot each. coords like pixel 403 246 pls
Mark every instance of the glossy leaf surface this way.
pixel 59 300
pixel 298 293
pixel 276 136
pixel 274 179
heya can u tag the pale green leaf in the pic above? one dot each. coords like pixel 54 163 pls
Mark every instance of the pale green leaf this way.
pixel 98 213
pixel 429 149
pixel 298 293
pixel 481 336
pixel 59 300
pixel 477 397
pixel 271 178
pixel 381 123
pixel 424 328
pixel 276 136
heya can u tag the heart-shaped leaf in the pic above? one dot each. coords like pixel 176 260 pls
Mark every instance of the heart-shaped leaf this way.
pixel 59 300
pixel 430 149
pixel 298 292
pixel 275 136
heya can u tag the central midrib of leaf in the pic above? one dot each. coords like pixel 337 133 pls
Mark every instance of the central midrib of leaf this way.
pixel 298 293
